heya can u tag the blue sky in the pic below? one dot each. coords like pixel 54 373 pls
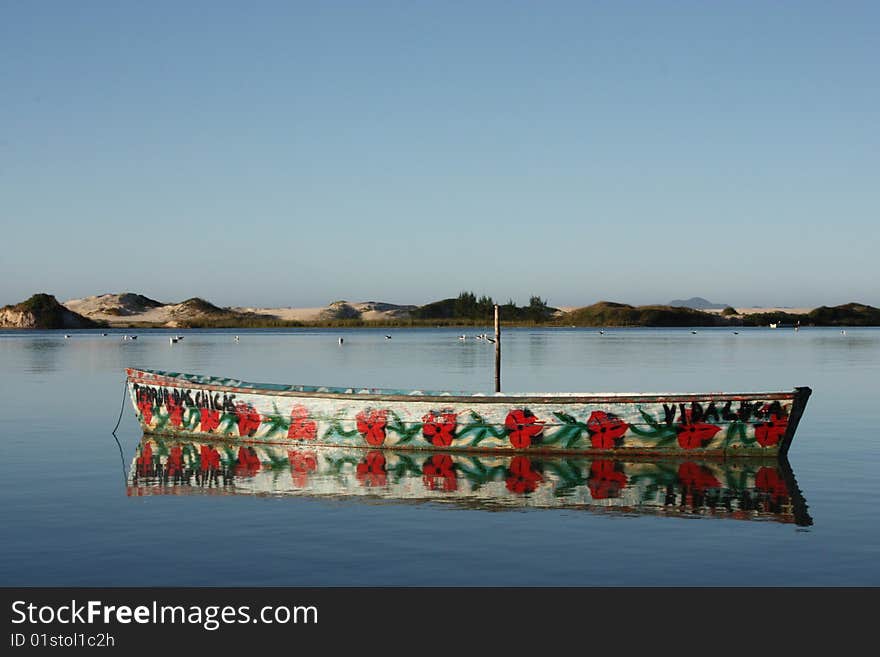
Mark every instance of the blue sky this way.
pixel 296 153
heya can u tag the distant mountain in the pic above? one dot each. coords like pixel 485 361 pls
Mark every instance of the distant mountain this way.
pixel 697 303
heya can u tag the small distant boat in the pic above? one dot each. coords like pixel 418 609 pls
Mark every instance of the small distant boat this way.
pixel 699 424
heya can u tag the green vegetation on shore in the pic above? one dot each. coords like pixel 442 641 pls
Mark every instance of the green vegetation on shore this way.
pixel 608 313
pixel 848 314
pixel 469 309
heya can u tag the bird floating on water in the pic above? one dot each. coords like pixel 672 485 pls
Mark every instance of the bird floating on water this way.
pixel 490 339
pixel 601 332
pixel 66 336
pixel 341 340
pixel 462 337
pixel 236 338
pixel 736 332
pixel 694 332
pixel 172 340
pixel 843 331
pixel 387 337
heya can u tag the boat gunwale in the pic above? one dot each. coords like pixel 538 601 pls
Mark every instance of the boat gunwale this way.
pixel 154 377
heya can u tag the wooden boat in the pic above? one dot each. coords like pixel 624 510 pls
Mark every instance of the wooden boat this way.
pixel 732 489
pixel 707 424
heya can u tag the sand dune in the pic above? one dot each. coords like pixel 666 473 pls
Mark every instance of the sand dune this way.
pixel 128 308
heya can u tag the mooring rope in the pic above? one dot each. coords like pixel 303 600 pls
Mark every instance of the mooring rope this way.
pixel 118 444
pixel 121 410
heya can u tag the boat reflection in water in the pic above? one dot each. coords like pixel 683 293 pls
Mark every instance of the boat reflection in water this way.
pixel 742 489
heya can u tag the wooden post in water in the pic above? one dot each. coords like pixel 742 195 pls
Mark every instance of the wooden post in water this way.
pixel 497 351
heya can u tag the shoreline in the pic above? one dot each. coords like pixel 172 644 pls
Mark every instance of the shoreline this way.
pixel 118 329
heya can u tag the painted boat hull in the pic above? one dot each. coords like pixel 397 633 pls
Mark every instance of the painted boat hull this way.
pixel 732 489
pixel 708 424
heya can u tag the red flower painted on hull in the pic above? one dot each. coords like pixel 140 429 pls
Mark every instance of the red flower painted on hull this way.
pixel 439 428
pixel 371 471
pixel 768 480
pixel 523 428
pixel 606 430
pixel 145 461
pixel 606 479
pixel 209 458
pixel 301 427
pixel 771 431
pixel 696 478
pixel 371 425
pixel 302 464
pixel 248 419
pixel 439 471
pixel 248 463
pixel 175 411
pixel 174 466
pixel 695 435
pixel 209 419
pixel 145 406
pixel 521 477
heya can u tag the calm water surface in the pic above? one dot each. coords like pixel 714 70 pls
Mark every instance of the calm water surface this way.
pixel 68 517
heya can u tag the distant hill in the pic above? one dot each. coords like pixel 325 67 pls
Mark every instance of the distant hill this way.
pixel 848 314
pixel 42 311
pixel 609 313
pixel 443 309
pixel 113 305
pixel 379 310
pixel 339 310
pixel 129 309
pixel 697 303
